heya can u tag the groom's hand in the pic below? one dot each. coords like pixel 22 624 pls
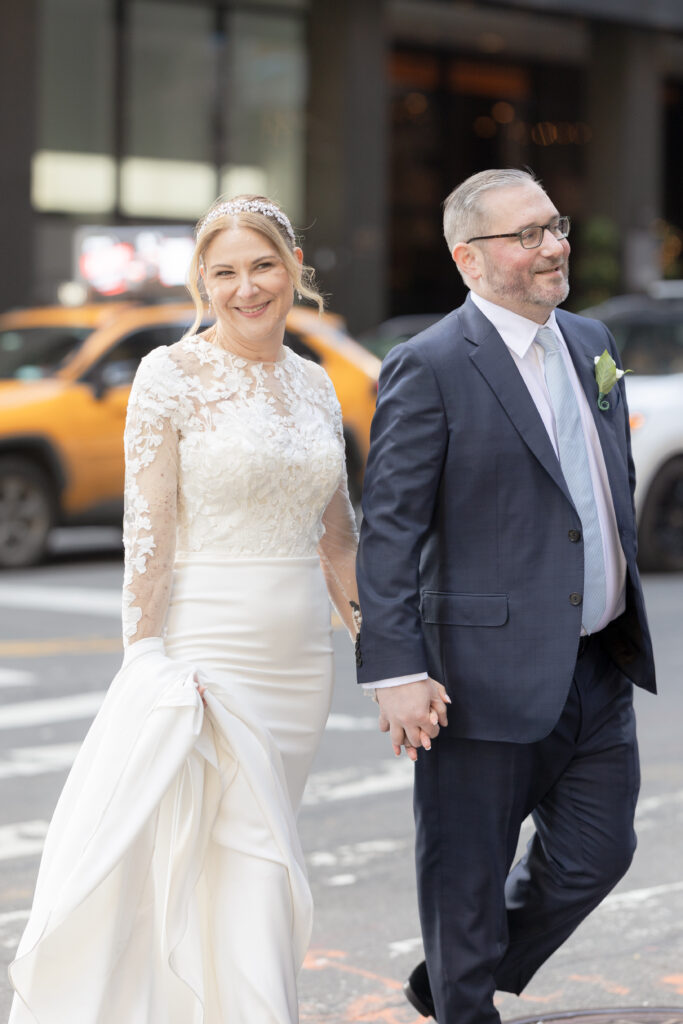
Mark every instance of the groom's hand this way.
pixel 412 713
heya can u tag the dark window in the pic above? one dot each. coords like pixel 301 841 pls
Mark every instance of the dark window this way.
pixel 295 341
pixel 456 113
pixel 30 353
pixel 650 345
pixel 119 364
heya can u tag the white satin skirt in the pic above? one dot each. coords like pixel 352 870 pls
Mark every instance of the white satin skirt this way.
pixel 173 888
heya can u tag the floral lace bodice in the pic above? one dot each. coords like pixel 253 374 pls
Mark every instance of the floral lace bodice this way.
pixel 231 458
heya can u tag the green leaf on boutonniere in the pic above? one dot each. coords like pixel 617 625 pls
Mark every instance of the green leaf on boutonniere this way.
pixel 606 374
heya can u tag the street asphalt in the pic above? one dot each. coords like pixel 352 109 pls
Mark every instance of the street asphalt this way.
pixel 59 649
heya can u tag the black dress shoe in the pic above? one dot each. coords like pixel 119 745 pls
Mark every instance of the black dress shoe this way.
pixel 418 992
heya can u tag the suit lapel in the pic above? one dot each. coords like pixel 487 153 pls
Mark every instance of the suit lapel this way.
pixel 492 359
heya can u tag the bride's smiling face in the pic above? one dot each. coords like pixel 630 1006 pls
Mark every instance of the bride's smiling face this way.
pixel 249 286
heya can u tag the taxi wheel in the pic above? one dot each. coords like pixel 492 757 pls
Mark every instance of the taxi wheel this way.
pixel 660 537
pixel 27 512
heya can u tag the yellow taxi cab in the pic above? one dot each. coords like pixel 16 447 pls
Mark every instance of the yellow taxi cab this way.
pixel 65 377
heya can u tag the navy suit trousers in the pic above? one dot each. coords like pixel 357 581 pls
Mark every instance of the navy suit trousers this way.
pixel 486 927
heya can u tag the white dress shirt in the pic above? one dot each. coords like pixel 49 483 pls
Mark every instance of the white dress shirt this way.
pixel 519 335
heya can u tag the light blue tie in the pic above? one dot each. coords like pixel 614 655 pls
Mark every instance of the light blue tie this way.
pixel 571 445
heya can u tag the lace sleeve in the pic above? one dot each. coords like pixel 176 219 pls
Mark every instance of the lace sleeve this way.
pixel 149 523
pixel 337 547
pixel 337 550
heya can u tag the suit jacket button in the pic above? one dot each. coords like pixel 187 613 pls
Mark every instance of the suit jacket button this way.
pixel 575 599
pixel 574 536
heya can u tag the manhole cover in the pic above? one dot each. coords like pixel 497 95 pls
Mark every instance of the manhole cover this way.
pixel 641 1015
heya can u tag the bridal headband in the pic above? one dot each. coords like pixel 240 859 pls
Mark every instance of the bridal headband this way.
pixel 249 206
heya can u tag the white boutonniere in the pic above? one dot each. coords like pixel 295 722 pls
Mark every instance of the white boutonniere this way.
pixel 606 375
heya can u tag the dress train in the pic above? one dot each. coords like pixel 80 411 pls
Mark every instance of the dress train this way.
pixel 126 922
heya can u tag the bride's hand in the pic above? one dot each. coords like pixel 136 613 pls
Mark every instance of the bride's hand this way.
pixel 438 703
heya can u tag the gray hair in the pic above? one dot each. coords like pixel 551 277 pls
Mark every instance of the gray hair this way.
pixel 463 214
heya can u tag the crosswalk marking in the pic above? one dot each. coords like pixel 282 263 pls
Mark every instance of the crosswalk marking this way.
pixel 13 916
pixel 25 839
pixel 24 762
pixel 27 761
pixel 351 723
pixel 620 900
pixel 356 783
pixel 86 705
pixel 85 600
pixel 22 839
pixel 15 677
pixel 31 761
pixel 57 709
pixel 324 787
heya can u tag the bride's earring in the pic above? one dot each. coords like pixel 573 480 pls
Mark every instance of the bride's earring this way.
pixel 208 309
pixel 299 296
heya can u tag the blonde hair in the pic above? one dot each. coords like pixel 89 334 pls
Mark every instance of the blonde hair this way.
pixel 248 214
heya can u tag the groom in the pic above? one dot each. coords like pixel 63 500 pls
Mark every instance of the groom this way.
pixel 498 558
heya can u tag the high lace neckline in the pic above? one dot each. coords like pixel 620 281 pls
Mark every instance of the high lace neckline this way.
pixel 234 357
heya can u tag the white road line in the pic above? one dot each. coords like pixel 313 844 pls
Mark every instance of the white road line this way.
pixel 323 787
pixel 619 900
pixel 351 784
pixel 351 723
pixel 403 946
pixel 346 784
pixel 655 803
pixel 26 761
pixel 15 677
pixel 23 839
pixel 57 709
pixel 355 855
pixel 86 705
pixel 87 601
pixel 12 916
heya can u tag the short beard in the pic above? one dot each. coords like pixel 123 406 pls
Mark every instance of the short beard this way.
pixel 565 293
pixel 505 291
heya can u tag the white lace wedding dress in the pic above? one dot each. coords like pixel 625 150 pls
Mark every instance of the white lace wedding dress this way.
pixel 172 888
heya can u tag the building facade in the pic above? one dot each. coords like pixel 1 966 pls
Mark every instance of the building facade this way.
pixel 359 117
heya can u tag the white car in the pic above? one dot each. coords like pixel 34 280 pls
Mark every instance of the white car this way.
pixel 649 334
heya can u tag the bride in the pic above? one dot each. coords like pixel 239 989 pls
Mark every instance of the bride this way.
pixel 172 888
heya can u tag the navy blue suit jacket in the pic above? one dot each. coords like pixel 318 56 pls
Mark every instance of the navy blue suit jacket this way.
pixel 466 564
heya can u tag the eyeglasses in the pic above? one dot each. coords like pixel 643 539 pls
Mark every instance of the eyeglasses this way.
pixel 531 238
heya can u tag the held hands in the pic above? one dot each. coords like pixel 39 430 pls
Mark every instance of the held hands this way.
pixel 413 713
